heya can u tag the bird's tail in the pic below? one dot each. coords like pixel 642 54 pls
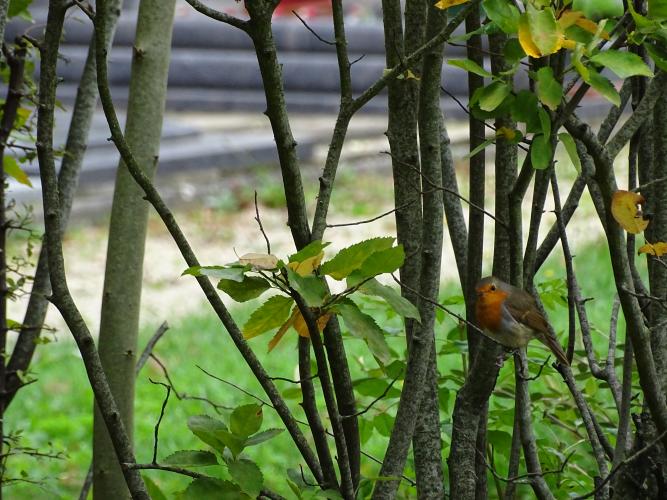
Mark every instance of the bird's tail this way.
pixel 553 344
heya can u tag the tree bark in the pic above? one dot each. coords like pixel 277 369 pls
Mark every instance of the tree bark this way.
pixel 121 298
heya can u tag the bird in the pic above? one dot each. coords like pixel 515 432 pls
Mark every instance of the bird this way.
pixel 509 316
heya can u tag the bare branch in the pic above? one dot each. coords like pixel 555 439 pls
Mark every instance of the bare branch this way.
pixel 217 15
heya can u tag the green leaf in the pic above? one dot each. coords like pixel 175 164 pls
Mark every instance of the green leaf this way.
pixel 191 458
pixel 493 95
pixel 657 53
pixel 310 250
pixel 12 169
pixel 501 441
pixel 363 326
pixel 543 29
pixel 351 258
pixel 470 67
pixel 271 314
pixel 545 122
pixel 235 443
pixel 206 428
pixel 571 148
pixel 213 489
pixel 540 152
pixel 153 489
pixel 18 7
pixel 599 9
pixel 328 494
pixel 657 9
pixel 250 288
pixel 234 273
pixel 260 437
pixel 245 420
pixel 375 387
pixel 247 475
pixel 549 90
pixel 479 148
pixel 513 51
pixel 603 86
pixel 311 287
pixel 392 296
pixel 525 108
pixel 624 64
pixel 503 13
pixel 384 261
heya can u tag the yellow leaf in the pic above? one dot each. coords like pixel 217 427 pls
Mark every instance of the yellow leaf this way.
pixel 261 261
pixel 446 4
pixel 409 75
pixel 569 17
pixel 283 329
pixel 624 208
pixel 591 27
pixel 297 322
pixel 307 266
pixel 568 44
pixel 526 39
pixel 506 132
pixel 658 249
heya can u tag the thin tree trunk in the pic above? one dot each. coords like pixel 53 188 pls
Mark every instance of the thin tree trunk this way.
pixel 68 177
pixel 121 298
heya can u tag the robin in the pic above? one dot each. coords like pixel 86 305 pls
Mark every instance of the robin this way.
pixel 508 315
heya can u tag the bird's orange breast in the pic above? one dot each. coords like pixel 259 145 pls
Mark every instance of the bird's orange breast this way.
pixel 488 310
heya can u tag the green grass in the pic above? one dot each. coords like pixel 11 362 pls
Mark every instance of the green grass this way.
pixel 55 412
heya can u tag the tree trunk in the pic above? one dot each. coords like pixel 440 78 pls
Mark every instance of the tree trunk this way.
pixel 127 233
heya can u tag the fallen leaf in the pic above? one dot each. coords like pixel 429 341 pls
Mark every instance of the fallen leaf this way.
pixel 259 261
pixel 658 249
pixel 624 208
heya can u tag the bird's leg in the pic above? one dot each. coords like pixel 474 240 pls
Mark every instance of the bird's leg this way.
pixel 524 373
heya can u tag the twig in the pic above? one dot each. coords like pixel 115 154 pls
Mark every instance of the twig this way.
pixel 167 468
pixel 301 422
pixel 261 227
pixel 159 420
pixel 217 15
pixel 624 463
pixel 447 190
pixel 150 345
pixel 314 33
pixel 381 396
pixel 439 305
pixel 529 475
pixel 86 8
pixel 367 221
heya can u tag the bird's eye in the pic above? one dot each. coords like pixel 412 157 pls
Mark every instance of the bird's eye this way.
pixel 493 288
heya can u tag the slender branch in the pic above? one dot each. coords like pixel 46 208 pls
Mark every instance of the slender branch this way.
pixel 393 72
pixel 347 489
pixel 150 345
pixel 373 219
pixel 167 468
pixel 624 463
pixel 217 15
pixel 314 33
pixel 210 292
pixel 632 124
pixel 261 227
pixel 309 405
pixel 61 296
pixel 159 420
pixel 377 399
